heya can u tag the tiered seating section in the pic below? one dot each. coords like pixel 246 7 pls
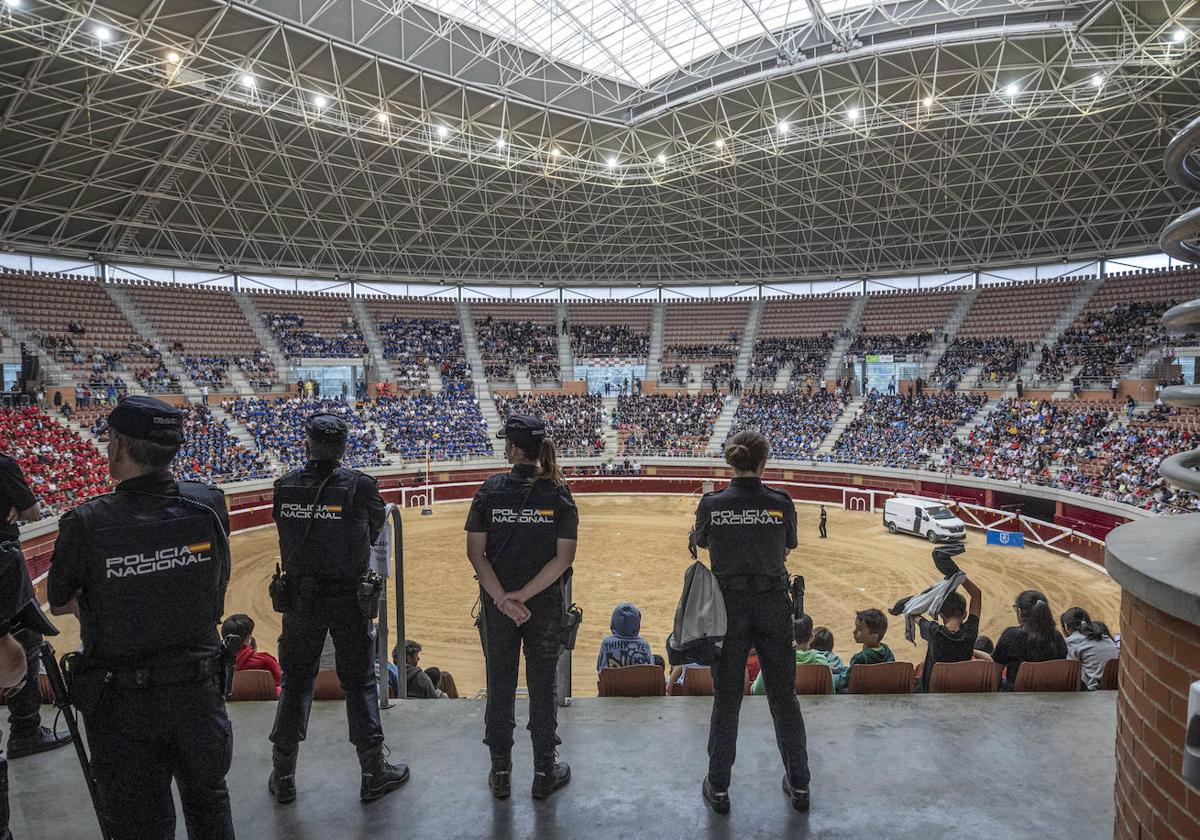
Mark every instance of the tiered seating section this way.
pixel 902 321
pixel 312 326
pixel 443 426
pixel 794 423
pixel 657 424
pixel 575 421
pixel 278 427
pixel 524 334
pixel 207 330
pixel 905 431
pixel 419 334
pixel 706 332
pixel 604 331
pixel 61 468
pixel 798 333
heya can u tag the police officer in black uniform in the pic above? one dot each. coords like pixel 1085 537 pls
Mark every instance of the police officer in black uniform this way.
pixel 26 734
pixel 521 534
pixel 145 569
pixel 327 516
pixel 821 525
pixel 748 529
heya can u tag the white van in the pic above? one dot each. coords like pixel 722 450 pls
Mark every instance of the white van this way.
pixel 926 518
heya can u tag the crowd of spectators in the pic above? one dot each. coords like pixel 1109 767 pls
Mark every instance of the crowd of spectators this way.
pixel 411 345
pixel 671 425
pixel 719 375
pixel 904 431
pixel 603 340
pixel 726 350
pixel 1105 342
pixel 446 425
pixel 999 359
pixel 278 427
pixel 208 370
pixel 298 342
pixel 807 356
pixel 865 344
pixel 575 422
pixel 258 368
pixel 157 379
pixel 61 468
pixel 793 422
pixel 503 343
pixel 674 375
pixel 210 452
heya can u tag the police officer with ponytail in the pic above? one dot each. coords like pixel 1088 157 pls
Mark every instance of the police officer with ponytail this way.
pixel 748 529
pixel 327 517
pixel 521 534
pixel 145 570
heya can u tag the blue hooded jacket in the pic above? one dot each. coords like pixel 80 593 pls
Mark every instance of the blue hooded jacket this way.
pixel 624 646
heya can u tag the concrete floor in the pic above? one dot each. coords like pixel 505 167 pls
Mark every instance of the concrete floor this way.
pixel 920 767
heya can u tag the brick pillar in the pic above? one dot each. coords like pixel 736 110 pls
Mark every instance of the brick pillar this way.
pixel 1160 658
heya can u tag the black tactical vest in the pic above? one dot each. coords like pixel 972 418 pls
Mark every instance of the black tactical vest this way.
pixel 154 577
pixel 320 537
pixel 522 527
pixel 746 531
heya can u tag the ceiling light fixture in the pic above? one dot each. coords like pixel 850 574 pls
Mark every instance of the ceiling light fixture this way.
pixel 443 132
pixel 247 80
pixel 1097 81
pixel 612 163
pixel 853 114
pixel 173 57
pixel 719 143
pixel 12 4
pixel 662 157
pixel 382 117
pixel 500 143
pixel 927 101
pixel 555 152
pixel 1180 36
pixel 783 127
pixel 1012 89
pixel 320 101
pixel 102 33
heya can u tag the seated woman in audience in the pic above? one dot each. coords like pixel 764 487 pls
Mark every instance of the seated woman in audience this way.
pixel 1033 639
pixel 1089 642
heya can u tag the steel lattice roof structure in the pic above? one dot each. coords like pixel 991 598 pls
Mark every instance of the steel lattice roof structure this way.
pixel 592 141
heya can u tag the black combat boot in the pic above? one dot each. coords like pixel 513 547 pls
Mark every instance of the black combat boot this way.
pixel 282 783
pixel 500 776
pixel 799 797
pixel 718 799
pixel 38 741
pixel 549 774
pixel 379 777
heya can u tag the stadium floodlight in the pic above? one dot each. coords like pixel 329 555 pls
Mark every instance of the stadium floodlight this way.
pixel 853 114
pixel 662 158
pixel 719 143
pixel 443 132
pixel 101 33
pixel 1179 36
pixel 320 101
pixel 783 127
pixel 12 4
pixel 1098 81
pixel 500 143
pixel 927 101
pixel 1012 89
pixel 173 57
pixel 612 163
pixel 248 81
pixel 382 117
pixel 555 151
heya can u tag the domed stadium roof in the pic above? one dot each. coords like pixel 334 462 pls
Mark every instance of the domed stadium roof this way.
pixel 591 141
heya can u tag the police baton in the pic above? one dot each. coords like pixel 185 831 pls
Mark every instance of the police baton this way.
pixel 62 702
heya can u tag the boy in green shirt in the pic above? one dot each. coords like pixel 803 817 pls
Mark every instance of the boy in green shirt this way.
pixel 802 631
pixel 869 629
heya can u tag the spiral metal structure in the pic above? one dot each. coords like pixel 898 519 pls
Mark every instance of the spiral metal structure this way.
pixel 1181 240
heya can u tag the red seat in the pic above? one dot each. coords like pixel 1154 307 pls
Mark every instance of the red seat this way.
pixel 1052 675
pixel 327 687
pixel 814 679
pixel 632 681
pixel 882 678
pixel 253 685
pixel 697 682
pixel 1110 679
pixel 972 676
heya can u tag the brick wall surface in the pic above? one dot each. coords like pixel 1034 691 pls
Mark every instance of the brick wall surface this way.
pixel 1160 658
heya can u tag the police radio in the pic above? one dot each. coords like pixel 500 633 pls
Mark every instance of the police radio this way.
pixel 796 588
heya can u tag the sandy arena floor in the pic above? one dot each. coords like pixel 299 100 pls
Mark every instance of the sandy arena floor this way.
pixel 635 548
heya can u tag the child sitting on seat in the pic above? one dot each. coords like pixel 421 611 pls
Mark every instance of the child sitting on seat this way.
pixel 869 629
pixel 823 641
pixel 954 639
pixel 802 629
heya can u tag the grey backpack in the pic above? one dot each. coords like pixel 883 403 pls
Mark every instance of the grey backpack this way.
pixel 700 620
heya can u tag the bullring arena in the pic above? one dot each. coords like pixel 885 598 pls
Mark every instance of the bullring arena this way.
pixel 942 256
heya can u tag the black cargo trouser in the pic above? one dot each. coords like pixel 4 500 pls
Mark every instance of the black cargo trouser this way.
pixel 300 644
pixel 141 738
pixel 542 637
pixel 762 620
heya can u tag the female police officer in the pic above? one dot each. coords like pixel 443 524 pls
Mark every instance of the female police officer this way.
pixel 748 529
pixel 521 533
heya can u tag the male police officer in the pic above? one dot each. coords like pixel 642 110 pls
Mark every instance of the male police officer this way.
pixel 26 734
pixel 521 534
pixel 748 529
pixel 327 517
pixel 145 569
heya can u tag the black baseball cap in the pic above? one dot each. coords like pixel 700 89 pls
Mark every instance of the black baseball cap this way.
pixel 147 418
pixel 525 431
pixel 326 427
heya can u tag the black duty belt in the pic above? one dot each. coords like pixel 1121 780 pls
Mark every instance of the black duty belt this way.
pixel 757 584
pixel 160 675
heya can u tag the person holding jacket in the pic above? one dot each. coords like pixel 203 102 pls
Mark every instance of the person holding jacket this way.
pixel 748 529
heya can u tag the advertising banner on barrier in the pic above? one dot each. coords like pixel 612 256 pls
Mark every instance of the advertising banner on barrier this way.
pixel 1013 539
